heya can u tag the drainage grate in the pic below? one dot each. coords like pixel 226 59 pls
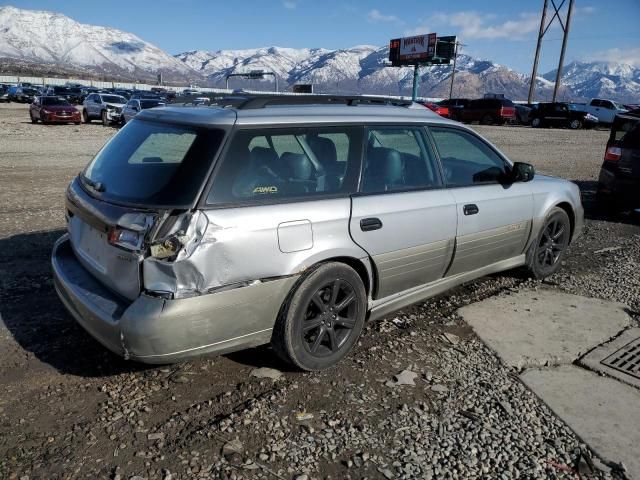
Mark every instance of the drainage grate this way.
pixel 626 359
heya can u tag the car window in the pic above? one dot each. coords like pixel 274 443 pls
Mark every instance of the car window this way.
pixel 276 164
pixel 466 159
pixel 398 158
pixel 607 104
pixel 596 103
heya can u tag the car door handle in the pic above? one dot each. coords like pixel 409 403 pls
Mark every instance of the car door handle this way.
pixel 470 209
pixel 368 224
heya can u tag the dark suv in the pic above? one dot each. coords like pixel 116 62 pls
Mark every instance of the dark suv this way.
pixel 561 114
pixel 455 106
pixel 488 111
pixel 619 182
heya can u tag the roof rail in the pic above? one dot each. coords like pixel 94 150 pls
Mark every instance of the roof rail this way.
pixel 254 102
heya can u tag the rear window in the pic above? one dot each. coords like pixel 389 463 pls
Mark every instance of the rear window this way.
pixel 153 164
pixel 626 132
pixel 149 103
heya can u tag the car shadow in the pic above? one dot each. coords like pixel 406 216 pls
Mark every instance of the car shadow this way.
pixel 595 211
pixel 36 319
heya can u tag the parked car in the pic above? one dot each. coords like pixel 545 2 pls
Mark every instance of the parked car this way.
pixel 561 114
pixel 4 94
pixel 72 94
pixel 604 110
pixel 488 111
pixel 204 101
pixel 21 94
pixel 210 230
pixel 145 94
pixel 619 181
pixel 103 106
pixel 189 92
pixel 455 106
pixel 50 109
pixel 441 110
pixel 135 106
pixel 523 113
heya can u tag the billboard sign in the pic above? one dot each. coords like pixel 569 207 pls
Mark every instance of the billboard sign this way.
pixel 419 49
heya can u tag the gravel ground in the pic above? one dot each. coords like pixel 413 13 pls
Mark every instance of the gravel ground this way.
pixel 420 397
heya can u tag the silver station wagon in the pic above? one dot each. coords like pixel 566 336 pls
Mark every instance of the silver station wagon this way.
pixel 208 230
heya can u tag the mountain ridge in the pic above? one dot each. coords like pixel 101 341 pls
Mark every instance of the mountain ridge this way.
pixel 40 41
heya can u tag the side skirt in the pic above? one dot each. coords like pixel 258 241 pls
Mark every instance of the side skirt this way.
pixel 384 306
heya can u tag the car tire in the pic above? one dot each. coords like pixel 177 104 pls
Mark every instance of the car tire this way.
pixel 85 117
pixel 536 122
pixel 486 120
pixel 103 116
pixel 76 123
pixel 322 317
pixel 575 124
pixel 545 254
pixel 33 120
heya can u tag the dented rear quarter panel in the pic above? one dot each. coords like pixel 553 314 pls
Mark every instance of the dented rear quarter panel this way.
pixel 244 244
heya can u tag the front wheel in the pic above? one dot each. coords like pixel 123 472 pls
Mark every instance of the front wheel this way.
pixel 33 119
pixel 575 124
pixel 536 123
pixel 85 117
pixel 486 120
pixel 545 254
pixel 322 318
pixel 105 120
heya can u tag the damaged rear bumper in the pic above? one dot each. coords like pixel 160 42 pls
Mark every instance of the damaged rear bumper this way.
pixel 157 330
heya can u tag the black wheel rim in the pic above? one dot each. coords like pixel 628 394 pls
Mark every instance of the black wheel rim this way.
pixel 552 243
pixel 330 318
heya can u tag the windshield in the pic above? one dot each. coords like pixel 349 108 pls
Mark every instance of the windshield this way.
pixel 54 101
pixel 617 106
pixel 113 99
pixel 153 164
pixel 150 103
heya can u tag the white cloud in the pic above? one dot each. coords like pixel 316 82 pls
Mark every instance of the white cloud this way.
pixel 290 4
pixel 474 25
pixel 375 16
pixel 629 56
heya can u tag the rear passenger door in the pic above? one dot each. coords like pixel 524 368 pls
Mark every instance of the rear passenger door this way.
pixel 402 216
pixel 494 216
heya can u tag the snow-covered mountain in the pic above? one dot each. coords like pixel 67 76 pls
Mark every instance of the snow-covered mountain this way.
pixel 30 36
pixel 614 80
pixel 52 44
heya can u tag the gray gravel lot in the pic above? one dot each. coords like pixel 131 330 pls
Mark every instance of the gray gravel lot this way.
pixel 69 409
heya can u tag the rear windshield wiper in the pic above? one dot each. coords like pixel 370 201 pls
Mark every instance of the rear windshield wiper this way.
pixel 97 186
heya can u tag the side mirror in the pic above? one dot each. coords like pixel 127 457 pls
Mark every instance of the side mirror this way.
pixel 522 172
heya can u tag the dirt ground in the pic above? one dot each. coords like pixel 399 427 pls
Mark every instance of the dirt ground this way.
pixel 70 409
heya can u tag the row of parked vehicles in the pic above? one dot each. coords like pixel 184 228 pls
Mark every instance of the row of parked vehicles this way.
pixel 75 94
pixel 498 110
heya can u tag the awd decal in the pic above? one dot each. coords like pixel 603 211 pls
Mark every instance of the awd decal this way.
pixel 271 189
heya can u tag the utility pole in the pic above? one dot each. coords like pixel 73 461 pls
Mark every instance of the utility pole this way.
pixel 416 82
pixel 543 30
pixel 564 47
pixel 534 73
pixel 453 72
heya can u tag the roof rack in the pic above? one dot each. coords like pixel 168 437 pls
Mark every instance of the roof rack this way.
pixel 262 101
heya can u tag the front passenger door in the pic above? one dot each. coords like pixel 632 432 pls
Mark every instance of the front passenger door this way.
pixel 494 216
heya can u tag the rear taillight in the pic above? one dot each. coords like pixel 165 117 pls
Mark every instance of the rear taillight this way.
pixel 443 111
pixel 613 154
pixel 124 238
pixel 507 112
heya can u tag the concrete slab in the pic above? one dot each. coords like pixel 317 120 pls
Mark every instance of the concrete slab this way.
pixel 594 358
pixel 544 327
pixel 605 413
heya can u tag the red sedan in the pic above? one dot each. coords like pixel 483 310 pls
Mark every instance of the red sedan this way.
pixel 53 110
pixel 439 109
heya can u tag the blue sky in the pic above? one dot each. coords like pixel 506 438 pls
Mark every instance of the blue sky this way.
pixel 501 30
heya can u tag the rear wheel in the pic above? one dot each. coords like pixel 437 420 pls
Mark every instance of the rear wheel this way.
pixel 486 120
pixel 536 123
pixel 575 124
pixel 545 254
pixel 322 318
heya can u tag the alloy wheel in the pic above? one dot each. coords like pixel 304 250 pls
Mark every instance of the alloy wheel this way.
pixel 551 245
pixel 330 318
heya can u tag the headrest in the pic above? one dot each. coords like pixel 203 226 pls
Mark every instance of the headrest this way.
pixel 263 156
pixel 324 148
pixel 385 163
pixel 298 165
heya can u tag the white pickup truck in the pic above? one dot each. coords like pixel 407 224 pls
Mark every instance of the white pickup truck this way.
pixel 605 110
